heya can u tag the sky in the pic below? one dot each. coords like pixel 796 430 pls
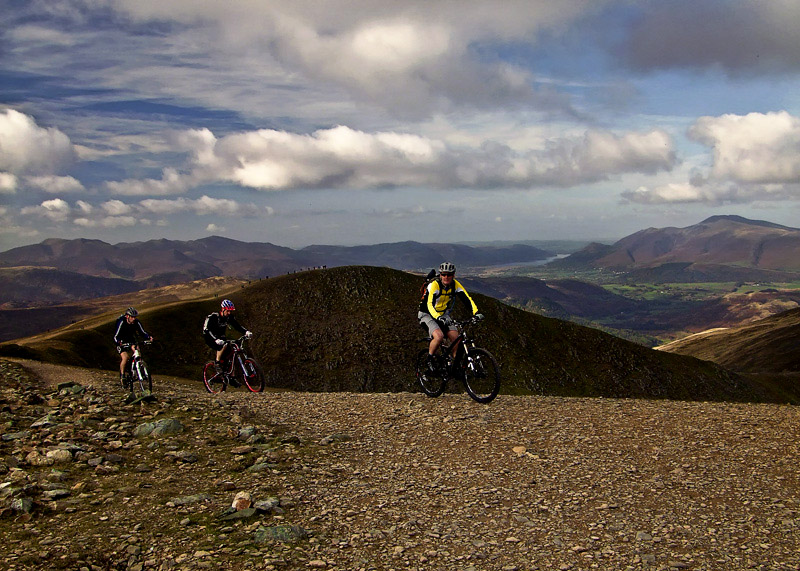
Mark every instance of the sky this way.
pixel 338 122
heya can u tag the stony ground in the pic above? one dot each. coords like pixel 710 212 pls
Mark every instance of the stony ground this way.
pixel 387 481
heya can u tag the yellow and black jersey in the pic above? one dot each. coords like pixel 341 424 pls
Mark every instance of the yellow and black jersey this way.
pixel 439 300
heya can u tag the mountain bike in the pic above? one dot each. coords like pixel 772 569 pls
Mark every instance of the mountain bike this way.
pixel 474 366
pixel 139 382
pixel 238 369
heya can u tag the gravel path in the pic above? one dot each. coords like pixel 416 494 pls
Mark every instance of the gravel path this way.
pixel 402 481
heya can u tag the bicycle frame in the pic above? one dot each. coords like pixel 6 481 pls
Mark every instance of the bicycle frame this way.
pixel 136 354
pixel 137 369
pixel 236 363
pixel 459 359
pixel 462 344
pixel 236 355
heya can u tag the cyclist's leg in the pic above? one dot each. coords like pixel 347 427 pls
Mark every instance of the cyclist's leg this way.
pixel 435 331
pixel 218 356
pixel 124 357
pixel 124 360
pixel 220 353
pixel 452 335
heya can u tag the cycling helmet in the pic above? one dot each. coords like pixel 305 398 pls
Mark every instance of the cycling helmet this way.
pixel 132 312
pixel 227 304
pixel 447 268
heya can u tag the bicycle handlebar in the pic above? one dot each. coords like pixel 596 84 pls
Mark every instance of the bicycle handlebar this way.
pixel 238 341
pixel 129 345
pixel 471 321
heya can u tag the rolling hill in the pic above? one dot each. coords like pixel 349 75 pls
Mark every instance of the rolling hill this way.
pixel 740 248
pixel 354 329
pixel 30 286
pixel 765 346
pixel 28 321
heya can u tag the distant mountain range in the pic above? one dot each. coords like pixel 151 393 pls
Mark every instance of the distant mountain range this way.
pixel 62 274
pixel 164 262
pixel 729 246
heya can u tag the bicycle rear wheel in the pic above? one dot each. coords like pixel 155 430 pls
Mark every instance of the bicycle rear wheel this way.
pixel 251 375
pixel 213 381
pixel 432 384
pixel 481 375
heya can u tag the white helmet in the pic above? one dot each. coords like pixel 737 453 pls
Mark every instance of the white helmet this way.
pixel 447 268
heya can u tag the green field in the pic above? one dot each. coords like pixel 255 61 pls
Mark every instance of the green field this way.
pixel 693 291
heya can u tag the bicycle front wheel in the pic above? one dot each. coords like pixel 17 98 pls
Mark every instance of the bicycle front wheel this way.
pixel 432 384
pixel 142 382
pixel 252 375
pixel 213 381
pixel 481 375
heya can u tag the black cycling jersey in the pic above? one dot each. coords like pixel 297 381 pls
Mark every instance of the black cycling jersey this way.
pixel 125 333
pixel 216 325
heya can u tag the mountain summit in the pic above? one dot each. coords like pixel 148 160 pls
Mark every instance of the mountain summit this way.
pixel 718 240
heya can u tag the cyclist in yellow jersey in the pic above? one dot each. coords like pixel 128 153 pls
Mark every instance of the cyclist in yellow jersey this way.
pixel 435 308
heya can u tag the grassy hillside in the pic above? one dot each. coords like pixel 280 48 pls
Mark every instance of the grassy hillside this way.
pixel 354 328
pixel 29 286
pixel 766 346
pixel 26 322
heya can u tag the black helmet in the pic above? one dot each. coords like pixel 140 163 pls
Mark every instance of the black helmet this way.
pixel 132 312
pixel 447 268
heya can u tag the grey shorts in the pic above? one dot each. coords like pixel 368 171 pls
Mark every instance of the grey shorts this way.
pixel 428 321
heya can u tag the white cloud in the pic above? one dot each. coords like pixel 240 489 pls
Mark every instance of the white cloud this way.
pixel 27 148
pixel 55 184
pixel 754 157
pixel 757 147
pixel 214 228
pixel 106 222
pixel 713 193
pixel 202 206
pixel 56 210
pixel 674 192
pixel 171 182
pixel 8 183
pixel 411 58
pixel 342 157
pixel 84 207
pixel 116 208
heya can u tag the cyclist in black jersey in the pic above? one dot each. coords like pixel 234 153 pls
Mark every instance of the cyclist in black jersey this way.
pixel 215 327
pixel 435 308
pixel 126 331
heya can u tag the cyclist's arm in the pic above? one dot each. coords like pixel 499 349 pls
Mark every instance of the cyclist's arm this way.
pixel 464 297
pixel 144 333
pixel 209 326
pixel 236 325
pixel 117 340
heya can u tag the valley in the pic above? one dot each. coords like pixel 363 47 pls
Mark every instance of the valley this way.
pixel 549 323
pixel 652 287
